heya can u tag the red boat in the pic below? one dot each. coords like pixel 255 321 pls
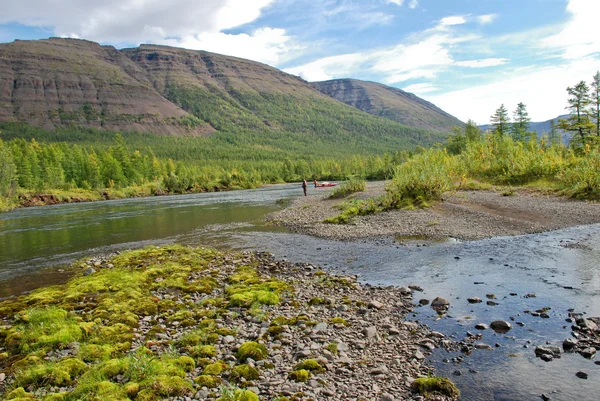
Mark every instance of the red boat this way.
pixel 326 184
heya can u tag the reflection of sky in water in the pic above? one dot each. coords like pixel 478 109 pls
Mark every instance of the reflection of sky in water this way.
pixel 540 263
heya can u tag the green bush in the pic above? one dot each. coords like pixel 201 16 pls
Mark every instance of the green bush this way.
pixel 349 187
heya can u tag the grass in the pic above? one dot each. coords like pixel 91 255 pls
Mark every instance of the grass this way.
pixel 348 187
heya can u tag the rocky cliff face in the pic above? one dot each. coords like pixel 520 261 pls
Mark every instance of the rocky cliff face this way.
pixel 57 82
pixel 387 102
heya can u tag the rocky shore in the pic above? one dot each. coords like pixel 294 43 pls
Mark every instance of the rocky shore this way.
pixel 465 215
pixel 194 324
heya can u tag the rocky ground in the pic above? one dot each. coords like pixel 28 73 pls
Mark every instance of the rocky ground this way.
pixel 466 215
pixel 352 339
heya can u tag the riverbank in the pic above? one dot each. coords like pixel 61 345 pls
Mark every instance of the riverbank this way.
pixel 465 215
pixel 175 322
pixel 56 197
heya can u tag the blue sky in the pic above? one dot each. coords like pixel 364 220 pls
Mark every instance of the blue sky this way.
pixel 465 56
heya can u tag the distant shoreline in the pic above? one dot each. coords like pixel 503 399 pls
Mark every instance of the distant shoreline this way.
pixel 464 215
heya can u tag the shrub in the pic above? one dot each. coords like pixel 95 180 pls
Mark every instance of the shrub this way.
pixel 349 187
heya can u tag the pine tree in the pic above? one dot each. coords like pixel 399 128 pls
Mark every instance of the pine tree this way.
pixel 596 101
pixel 500 120
pixel 579 120
pixel 520 126
pixel 555 135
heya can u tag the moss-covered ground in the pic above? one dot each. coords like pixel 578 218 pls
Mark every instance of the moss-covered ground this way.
pixel 100 336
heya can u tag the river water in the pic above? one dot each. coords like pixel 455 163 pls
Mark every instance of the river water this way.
pixel 560 267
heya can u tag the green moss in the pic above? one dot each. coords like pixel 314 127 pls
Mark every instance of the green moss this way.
pixel 332 347
pixel 275 330
pixel 39 327
pixel 202 351
pixel 114 367
pixel 19 393
pixel 317 301
pixel 186 363
pixel 51 373
pixel 168 386
pixel 432 385
pixel 55 397
pixel 131 389
pixel 238 395
pixel 208 381
pixel 146 395
pixel 96 352
pixel 301 375
pixel 252 349
pixel 339 320
pixel 214 369
pixel 244 371
pixel 311 365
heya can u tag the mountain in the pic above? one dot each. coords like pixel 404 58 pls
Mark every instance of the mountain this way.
pixel 57 82
pixel 541 128
pixel 391 103
pixel 60 82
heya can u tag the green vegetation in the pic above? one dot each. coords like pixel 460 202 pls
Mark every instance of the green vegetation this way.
pixel 349 187
pixel 101 313
pixel 301 375
pixel 311 365
pixel 432 385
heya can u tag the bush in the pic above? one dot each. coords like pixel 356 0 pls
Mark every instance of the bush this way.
pixel 349 187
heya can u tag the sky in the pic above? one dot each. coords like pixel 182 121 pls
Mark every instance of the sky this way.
pixel 466 56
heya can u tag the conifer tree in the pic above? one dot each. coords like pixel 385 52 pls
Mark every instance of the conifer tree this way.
pixel 520 126
pixel 579 121
pixel 596 101
pixel 500 120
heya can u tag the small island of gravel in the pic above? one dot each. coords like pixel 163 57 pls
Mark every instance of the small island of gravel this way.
pixel 178 323
pixel 461 214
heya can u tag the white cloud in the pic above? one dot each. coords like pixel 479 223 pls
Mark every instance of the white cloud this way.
pixel 328 68
pixel 453 20
pixel 486 19
pixel 398 2
pixel 541 90
pixel 413 4
pixel 580 36
pixel 420 88
pixel 488 62
pixel 186 23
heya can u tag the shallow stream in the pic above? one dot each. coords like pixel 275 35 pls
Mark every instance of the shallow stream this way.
pixel 561 268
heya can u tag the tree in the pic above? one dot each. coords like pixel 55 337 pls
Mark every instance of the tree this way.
pixel 8 170
pixel 555 135
pixel 596 101
pixel 520 126
pixel 500 120
pixel 472 131
pixel 579 120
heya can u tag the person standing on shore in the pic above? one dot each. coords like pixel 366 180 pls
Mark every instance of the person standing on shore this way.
pixel 304 185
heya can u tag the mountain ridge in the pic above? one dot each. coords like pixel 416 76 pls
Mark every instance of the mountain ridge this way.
pixel 389 102
pixel 166 90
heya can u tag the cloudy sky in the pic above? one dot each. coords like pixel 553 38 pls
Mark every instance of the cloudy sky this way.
pixel 465 56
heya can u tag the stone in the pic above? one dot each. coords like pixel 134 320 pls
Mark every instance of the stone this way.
pixel 405 290
pixel 481 326
pixel 586 324
pixel 500 326
pixel 570 343
pixel 415 287
pixel 423 301
pixel 474 300
pixel 581 375
pixel 375 304
pixel 483 346
pixel 320 327
pixel 370 332
pixel 88 271
pixel 418 355
pixel 440 302
pixel 386 397
pixel 547 350
pixel 588 352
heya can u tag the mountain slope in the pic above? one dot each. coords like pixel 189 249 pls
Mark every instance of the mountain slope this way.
pixel 387 102
pixel 57 82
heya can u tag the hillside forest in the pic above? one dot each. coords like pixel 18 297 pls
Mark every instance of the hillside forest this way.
pixel 77 164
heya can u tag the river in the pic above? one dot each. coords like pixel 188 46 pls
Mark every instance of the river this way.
pixel 560 267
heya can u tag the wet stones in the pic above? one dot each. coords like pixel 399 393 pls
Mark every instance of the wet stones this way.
pixel 501 326
pixel 481 326
pixel 440 305
pixel 474 300
pixel 547 352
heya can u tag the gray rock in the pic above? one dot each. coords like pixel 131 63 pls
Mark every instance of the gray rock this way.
pixel 570 343
pixel 588 353
pixel 423 301
pixel 587 324
pixel 500 326
pixel 483 346
pixel 375 304
pixel 370 332
pixel 547 350
pixel 440 302
pixel 481 326
pixel 88 271
pixel 418 355
pixel 474 300
pixel 320 327
pixel 386 397
pixel 405 290
pixel 581 375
